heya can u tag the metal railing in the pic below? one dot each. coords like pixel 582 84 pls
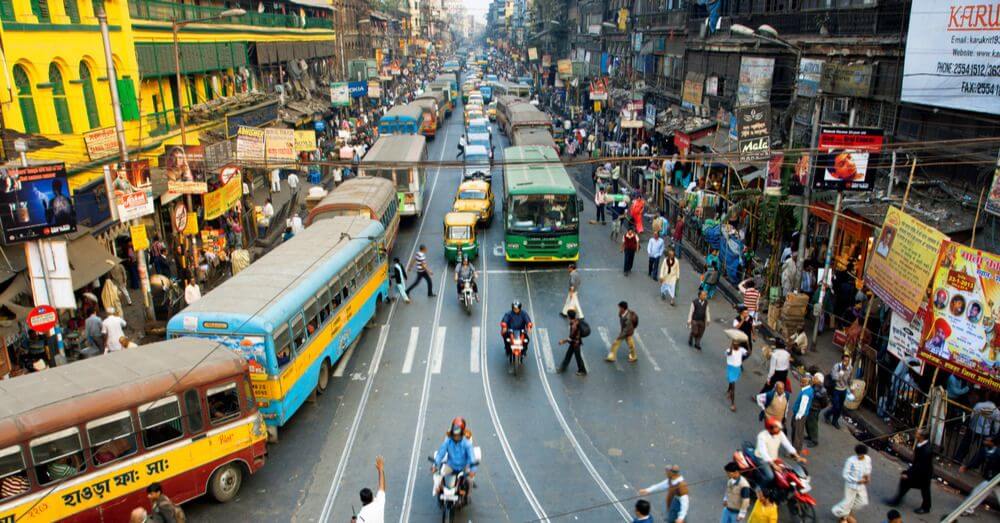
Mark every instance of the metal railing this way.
pixel 170 11
pixel 672 19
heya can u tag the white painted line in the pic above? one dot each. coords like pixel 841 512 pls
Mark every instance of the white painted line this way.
pixel 437 357
pixel 474 351
pixel 540 271
pixel 645 350
pixel 607 346
pixel 346 358
pixel 626 516
pixel 411 349
pixel 543 338
pixel 670 339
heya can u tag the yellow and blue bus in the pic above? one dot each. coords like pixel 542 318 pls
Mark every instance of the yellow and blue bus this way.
pixel 295 311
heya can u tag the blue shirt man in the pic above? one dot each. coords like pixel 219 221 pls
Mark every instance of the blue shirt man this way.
pixel 456 454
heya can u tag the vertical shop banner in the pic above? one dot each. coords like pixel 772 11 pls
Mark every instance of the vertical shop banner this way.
pixel 185 167
pixel 130 189
pixel 964 333
pixel 305 141
pixel 35 203
pixel 565 68
pixel 905 336
pixel 951 55
pixel 532 54
pixel 992 205
pixel 810 73
pixel 755 80
pixel 101 143
pixel 219 201
pixel 279 145
pixel 694 85
pixel 250 144
pixel 650 117
pixel 843 157
pixel 374 89
pixel 140 240
pixel 902 263
pixel 754 130
pixel 772 184
pixel 340 96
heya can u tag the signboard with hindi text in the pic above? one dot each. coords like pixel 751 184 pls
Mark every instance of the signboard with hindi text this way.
pixel 305 141
pixel 101 143
pixel 279 145
pixel 219 201
pixel 250 144
pixel 902 263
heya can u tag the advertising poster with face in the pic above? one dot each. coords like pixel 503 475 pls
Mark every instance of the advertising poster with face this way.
pixel 843 157
pixel 35 203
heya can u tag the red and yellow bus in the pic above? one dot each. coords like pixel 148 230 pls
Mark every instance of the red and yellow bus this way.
pixel 81 442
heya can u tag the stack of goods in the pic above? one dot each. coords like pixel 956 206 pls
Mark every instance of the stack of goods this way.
pixel 793 313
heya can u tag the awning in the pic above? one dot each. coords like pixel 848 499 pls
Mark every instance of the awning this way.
pixel 89 260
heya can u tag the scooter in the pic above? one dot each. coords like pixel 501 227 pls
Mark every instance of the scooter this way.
pixel 467 297
pixel 518 342
pixel 791 484
pixel 455 491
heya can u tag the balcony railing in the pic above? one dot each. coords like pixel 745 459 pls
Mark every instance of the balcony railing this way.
pixel 170 11
pixel 673 19
pixel 863 21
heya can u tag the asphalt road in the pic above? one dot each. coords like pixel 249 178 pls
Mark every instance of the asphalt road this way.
pixel 555 446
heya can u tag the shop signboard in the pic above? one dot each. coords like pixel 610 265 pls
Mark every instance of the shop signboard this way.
pixel 565 68
pixel 532 54
pixel 250 144
pixel 221 200
pixel 904 339
pixel 256 116
pixel 951 55
pixel 753 127
pixel 358 89
pixel 599 89
pixel 35 203
pixel 650 117
pixel 963 336
pixel 993 199
pixel 847 79
pixel 902 263
pixel 305 141
pixel 683 142
pixel 101 143
pixel 339 94
pixel 140 240
pixel 185 167
pixel 810 74
pixel 755 80
pixel 279 145
pixel 130 188
pixel 374 89
pixel 694 85
pixel 843 157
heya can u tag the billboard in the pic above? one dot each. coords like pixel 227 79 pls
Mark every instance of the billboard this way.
pixel 130 189
pixel 185 168
pixel 35 203
pixel 279 145
pixel 250 144
pixel 905 336
pixel 339 95
pixel 963 336
pixel 753 124
pixel 902 263
pixel 217 202
pixel 951 55
pixel 810 74
pixel 755 80
pixel 842 158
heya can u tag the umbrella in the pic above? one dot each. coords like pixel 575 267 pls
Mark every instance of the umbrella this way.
pixel 737 335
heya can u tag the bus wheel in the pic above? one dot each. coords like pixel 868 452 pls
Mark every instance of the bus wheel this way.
pixel 324 377
pixel 226 483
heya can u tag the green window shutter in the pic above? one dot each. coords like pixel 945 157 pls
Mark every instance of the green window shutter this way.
pixel 40 8
pixel 89 100
pixel 25 100
pixel 129 103
pixel 209 95
pixel 7 10
pixel 98 6
pixel 59 100
pixel 72 11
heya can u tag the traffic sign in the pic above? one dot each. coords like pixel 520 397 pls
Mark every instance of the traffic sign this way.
pixel 42 319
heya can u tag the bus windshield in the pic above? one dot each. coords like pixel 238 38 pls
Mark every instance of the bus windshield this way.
pixel 543 213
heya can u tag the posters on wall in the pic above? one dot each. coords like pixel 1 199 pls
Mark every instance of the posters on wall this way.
pixel 339 94
pixel 250 144
pixel 221 200
pixel 843 157
pixel 810 74
pixel 905 336
pixel 964 333
pixel 130 188
pixel 753 128
pixel 279 145
pixel 694 85
pixel 185 167
pixel 951 55
pixel 902 263
pixel 35 203
pixel 755 80
pixel 101 143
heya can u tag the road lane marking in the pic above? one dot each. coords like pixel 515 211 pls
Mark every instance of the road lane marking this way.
pixel 670 339
pixel 543 338
pixel 411 349
pixel 607 346
pixel 649 355
pixel 565 425
pixel 474 351
pixel 541 271
pixel 438 356
pixel 347 358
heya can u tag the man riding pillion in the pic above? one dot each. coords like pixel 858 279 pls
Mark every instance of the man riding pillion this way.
pixel 515 320
pixel 770 441
pixel 466 271
pixel 455 455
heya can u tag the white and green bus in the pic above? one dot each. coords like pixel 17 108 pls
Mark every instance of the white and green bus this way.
pixel 399 158
pixel 541 210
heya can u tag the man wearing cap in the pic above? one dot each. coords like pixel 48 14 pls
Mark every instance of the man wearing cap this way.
pixel 819 402
pixel 677 494
pixel 800 410
pixel 737 499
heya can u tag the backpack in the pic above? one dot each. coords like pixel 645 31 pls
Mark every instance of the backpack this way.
pixel 635 319
pixel 584 329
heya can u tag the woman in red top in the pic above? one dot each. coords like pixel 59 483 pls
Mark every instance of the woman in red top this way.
pixel 630 244
pixel 637 207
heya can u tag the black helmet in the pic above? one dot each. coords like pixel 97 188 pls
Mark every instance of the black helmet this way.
pixel 516 305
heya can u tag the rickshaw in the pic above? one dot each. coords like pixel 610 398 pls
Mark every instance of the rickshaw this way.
pixel 460 236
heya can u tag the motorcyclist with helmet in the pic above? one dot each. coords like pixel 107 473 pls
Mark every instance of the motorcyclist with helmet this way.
pixel 770 441
pixel 455 455
pixel 515 320
pixel 466 271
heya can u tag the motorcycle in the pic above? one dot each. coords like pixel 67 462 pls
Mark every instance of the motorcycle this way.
pixel 455 492
pixel 467 297
pixel 518 341
pixel 791 485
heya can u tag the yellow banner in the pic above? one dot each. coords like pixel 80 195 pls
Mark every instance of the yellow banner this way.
pixel 140 241
pixel 192 224
pixel 305 141
pixel 224 198
pixel 902 262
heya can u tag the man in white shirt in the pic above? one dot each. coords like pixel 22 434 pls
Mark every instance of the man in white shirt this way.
pixel 268 210
pixel 293 182
pixel 857 474
pixel 373 509
pixel 295 222
pixel 770 441
pixel 113 328
pixel 677 494
pixel 778 366
pixel 275 180
pixel 654 249
pixel 192 292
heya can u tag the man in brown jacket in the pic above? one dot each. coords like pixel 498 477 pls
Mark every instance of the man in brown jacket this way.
pixel 163 510
pixel 627 320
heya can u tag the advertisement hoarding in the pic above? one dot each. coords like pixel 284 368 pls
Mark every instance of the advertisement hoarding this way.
pixel 279 145
pixel 250 144
pixel 694 85
pixel 753 128
pixel 905 336
pixel 810 74
pixel 843 157
pixel 339 95
pixel 130 189
pixel 305 141
pixel 185 167
pixel 217 202
pixel 35 203
pixel 755 80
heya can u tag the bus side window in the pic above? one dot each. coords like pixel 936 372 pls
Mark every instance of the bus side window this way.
pixel 14 475
pixel 111 437
pixel 312 317
pixel 57 456
pixel 323 298
pixel 160 422
pixel 282 347
pixel 192 406
pixel 298 333
pixel 223 403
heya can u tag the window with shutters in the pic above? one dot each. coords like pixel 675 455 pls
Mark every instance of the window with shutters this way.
pixel 40 8
pixel 72 11
pixel 25 100
pixel 89 100
pixel 7 10
pixel 59 100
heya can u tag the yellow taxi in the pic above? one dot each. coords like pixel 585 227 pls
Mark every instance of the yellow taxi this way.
pixel 475 196
pixel 491 111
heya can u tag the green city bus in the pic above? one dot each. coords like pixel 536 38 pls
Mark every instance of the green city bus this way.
pixel 541 211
